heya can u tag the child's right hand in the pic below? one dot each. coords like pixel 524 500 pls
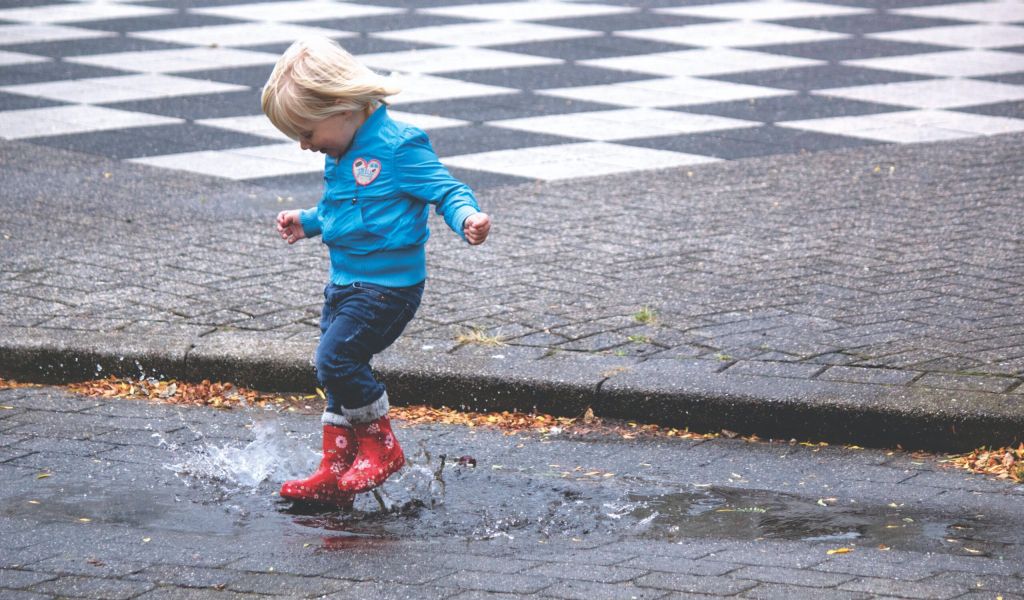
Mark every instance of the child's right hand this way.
pixel 289 226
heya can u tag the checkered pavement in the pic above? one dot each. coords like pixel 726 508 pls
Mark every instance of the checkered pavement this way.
pixel 514 91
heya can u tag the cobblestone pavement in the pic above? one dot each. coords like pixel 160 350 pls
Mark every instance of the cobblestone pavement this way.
pixel 869 294
pixel 118 499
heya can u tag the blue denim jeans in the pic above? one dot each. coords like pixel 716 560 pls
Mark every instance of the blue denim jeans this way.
pixel 358 321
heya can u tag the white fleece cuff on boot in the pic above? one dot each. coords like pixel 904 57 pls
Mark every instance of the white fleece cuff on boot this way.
pixel 335 419
pixel 371 412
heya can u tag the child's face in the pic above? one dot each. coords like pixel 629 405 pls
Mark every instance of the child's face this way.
pixel 331 136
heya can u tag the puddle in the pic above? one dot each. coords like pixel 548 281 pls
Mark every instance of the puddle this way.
pixel 221 488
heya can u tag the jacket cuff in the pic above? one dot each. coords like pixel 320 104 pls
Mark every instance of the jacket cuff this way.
pixel 310 222
pixel 459 220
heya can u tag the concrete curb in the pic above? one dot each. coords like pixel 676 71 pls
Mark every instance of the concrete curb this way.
pixel 676 393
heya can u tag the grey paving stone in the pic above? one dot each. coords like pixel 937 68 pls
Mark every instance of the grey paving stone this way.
pixel 186 576
pixel 797 577
pixel 92 587
pixel 502 583
pixel 681 565
pixel 587 590
pixel 906 589
pixel 718 586
pixel 19 579
pixel 594 573
pixel 775 591
pixel 280 584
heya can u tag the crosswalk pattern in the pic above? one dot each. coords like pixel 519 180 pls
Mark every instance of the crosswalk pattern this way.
pixel 515 91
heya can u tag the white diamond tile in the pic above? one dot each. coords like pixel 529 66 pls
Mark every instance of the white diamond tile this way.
pixel 961 36
pixel 986 12
pixel 251 124
pixel 932 93
pixel 101 90
pixel 446 60
pixel 20 58
pixel 732 34
pixel 672 91
pixel 624 124
pixel 74 13
pixel 242 163
pixel 426 88
pixel 302 10
pixel 241 34
pixel 703 61
pixel 587 159
pixel 486 34
pixel 527 11
pixel 955 63
pixel 30 34
pixel 425 122
pixel 911 126
pixel 177 60
pixel 64 120
pixel 764 11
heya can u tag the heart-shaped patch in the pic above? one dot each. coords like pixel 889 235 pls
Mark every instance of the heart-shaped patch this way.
pixel 365 171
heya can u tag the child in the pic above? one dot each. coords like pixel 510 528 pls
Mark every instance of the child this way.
pixel 380 176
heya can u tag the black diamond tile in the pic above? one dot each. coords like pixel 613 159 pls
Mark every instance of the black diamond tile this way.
pixel 505 106
pixel 254 76
pixel 1013 110
pixel 850 49
pixel 51 71
pixel 744 143
pixel 867 23
pixel 470 139
pixel 371 45
pixel 25 3
pixel 626 22
pixel 303 188
pixel 19 102
pixel 546 77
pixel 395 22
pixel 1011 78
pixel 419 3
pixel 482 180
pixel 204 106
pixel 136 142
pixel 594 47
pixel 187 4
pixel 890 4
pixel 1013 49
pixel 160 22
pixel 88 47
pixel 790 108
pixel 816 77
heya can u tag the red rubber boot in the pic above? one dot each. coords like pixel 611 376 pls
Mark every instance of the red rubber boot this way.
pixel 378 457
pixel 321 487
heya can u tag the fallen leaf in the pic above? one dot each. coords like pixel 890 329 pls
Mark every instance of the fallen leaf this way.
pixel 146 540
pixel 44 475
pixel 85 520
pixel 840 551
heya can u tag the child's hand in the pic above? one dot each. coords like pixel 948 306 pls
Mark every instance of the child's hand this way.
pixel 476 227
pixel 289 226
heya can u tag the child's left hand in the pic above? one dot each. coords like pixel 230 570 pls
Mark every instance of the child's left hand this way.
pixel 476 227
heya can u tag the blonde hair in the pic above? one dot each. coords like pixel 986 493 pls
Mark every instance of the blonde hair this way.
pixel 316 78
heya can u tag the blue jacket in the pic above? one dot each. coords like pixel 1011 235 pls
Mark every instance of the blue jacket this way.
pixel 373 214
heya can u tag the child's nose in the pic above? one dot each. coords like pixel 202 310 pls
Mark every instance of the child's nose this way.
pixel 304 145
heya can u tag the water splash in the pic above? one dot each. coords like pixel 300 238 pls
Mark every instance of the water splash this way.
pixel 270 456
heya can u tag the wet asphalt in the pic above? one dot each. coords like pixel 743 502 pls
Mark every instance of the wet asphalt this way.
pixel 128 499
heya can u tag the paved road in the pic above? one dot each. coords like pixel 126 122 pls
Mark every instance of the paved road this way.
pixel 152 501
